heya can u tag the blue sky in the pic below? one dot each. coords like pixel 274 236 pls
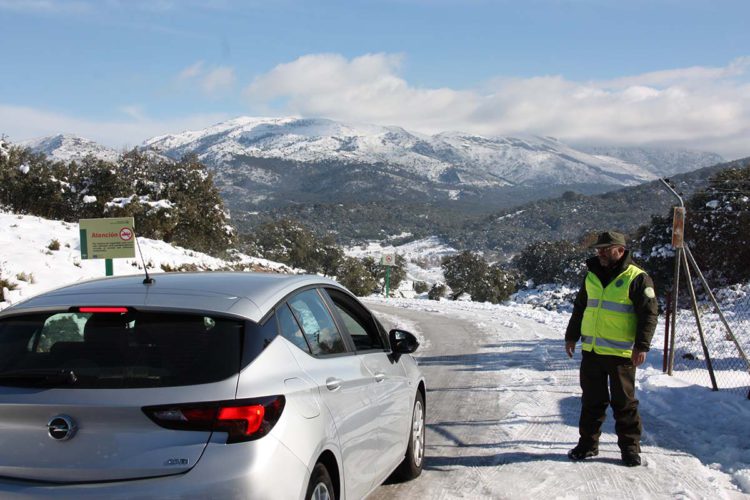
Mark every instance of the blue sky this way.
pixel 656 72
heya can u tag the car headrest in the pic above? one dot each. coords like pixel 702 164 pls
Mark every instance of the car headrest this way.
pixel 105 328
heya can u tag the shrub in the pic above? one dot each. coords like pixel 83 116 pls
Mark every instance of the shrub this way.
pixel 378 271
pixel 177 202
pixel 652 248
pixel 559 262
pixel 420 287
pixel 22 276
pixel 286 241
pixel 353 274
pixel 463 271
pixel 54 245
pixel 717 230
pixel 496 286
pixel 470 273
pixel 6 283
pixel 437 291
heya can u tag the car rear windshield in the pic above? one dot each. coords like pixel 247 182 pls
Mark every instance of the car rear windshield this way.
pixel 118 350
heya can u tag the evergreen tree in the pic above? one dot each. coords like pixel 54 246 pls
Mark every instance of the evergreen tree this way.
pixel 718 229
pixel 558 262
pixel 288 242
pixel 496 286
pixel 355 276
pixel 463 272
pixel 174 201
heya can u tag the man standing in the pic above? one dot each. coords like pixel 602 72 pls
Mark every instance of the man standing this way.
pixel 614 315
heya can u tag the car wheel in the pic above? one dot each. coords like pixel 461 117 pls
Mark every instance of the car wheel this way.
pixel 320 486
pixel 411 467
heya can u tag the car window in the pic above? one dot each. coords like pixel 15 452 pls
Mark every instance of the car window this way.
pixel 357 320
pixel 121 350
pixel 289 328
pixel 257 338
pixel 317 324
pixel 63 327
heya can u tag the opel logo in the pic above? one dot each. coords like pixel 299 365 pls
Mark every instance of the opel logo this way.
pixel 61 428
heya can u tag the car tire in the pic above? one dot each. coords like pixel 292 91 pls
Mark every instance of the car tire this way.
pixel 411 467
pixel 320 486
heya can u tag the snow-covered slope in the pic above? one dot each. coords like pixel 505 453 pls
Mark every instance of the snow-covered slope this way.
pixel 447 157
pixel 423 258
pixel 31 264
pixel 68 147
pixel 659 161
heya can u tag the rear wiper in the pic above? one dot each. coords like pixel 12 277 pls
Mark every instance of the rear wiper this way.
pixel 41 375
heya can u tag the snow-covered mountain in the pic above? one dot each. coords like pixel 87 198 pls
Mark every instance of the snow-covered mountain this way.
pixel 659 161
pixel 68 147
pixel 265 162
pixel 448 158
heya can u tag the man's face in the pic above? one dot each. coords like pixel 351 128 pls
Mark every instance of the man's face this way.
pixel 608 256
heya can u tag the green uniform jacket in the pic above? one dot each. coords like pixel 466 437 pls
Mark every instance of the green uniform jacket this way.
pixel 644 302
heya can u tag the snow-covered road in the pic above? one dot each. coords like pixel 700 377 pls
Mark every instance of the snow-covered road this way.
pixel 502 411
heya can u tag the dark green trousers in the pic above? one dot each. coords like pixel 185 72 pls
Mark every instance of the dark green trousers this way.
pixel 609 381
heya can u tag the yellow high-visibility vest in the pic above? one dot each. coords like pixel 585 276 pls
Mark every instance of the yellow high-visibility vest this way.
pixel 609 320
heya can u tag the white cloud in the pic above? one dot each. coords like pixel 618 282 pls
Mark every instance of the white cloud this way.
pixel 191 71
pixel 134 111
pixel 211 81
pixel 21 123
pixel 698 107
pixel 684 76
pixel 218 80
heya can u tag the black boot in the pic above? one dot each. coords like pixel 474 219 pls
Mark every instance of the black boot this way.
pixel 631 459
pixel 580 453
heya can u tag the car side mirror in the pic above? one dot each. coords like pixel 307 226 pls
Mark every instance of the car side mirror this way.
pixel 402 342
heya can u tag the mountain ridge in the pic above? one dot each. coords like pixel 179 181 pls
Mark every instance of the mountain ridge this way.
pixel 466 159
pixel 266 163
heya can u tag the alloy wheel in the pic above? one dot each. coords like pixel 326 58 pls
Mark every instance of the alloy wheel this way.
pixel 321 492
pixel 417 433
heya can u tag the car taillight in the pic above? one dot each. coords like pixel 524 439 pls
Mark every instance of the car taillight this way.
pixel 242 420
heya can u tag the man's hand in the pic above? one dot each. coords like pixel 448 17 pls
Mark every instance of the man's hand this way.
pixel 638 357
pixel 570 348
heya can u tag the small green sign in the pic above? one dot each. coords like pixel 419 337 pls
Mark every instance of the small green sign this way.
pixel 107 238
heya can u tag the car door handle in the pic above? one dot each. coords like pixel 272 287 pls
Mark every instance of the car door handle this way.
pixel 379 377
pixel 333 384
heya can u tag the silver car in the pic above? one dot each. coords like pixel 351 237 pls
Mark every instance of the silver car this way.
pixel 205 385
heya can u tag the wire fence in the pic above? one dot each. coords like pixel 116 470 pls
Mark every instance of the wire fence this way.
pixel 730 367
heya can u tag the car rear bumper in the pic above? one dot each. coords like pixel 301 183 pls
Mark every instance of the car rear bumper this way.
pixel 263 469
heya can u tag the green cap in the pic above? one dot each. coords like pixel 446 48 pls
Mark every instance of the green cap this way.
pixel 608 239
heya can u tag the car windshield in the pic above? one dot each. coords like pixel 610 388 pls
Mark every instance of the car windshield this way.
pixel 120 350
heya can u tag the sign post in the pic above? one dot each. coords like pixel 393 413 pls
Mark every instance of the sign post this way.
pixel 111 238
pixel 678 227
pixel 388 260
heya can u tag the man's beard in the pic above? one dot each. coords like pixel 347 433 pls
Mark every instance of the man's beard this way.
pixel 607 261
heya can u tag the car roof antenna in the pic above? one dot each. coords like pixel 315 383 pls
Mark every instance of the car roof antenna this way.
pixel 149 280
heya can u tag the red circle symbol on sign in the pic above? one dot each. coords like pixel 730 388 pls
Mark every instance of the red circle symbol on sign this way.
pixel 126 234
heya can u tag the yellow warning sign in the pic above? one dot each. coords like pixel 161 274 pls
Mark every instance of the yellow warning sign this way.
pixel 112 238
